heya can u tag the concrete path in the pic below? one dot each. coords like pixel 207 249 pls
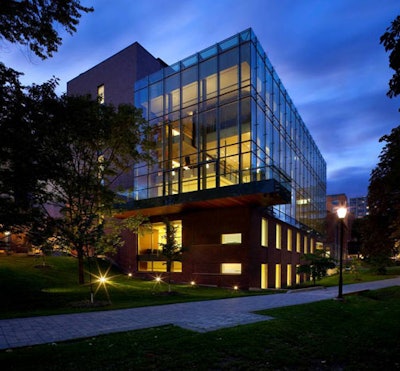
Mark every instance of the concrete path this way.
pixel 196 316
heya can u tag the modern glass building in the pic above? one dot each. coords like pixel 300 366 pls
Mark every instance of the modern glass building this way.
pixel 235 170
pixel 225 125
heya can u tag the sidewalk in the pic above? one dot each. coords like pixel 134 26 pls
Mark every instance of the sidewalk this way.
pixel 196 316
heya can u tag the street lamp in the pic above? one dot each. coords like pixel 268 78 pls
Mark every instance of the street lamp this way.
pixel 341 213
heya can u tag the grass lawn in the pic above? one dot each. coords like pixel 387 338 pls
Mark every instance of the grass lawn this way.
pixel 27 288
pixel 360 333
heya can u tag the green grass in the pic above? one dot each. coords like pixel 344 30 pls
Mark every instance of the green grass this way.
pixel 360 333
pixel 28 289
pixel 364 274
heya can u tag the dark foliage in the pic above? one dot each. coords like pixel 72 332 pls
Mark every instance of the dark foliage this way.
pixel 34 22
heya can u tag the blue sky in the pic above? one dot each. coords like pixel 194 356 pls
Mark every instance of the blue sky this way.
pixel 326 52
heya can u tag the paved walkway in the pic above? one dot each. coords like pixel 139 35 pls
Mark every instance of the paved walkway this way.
pixel 196 316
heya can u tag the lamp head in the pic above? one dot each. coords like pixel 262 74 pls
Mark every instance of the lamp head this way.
pixel 341 212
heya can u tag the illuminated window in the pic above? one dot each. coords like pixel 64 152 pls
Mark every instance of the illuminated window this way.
pixel 264 232
pixel 150 238
pixel 100 94
pixel 305 245
pixel 158 266
pixel 298 247
pixel 231 238
pixel 289 240
pixel 278 236
pixel 264 276
pixel 289 275
pixel 231 268
pixel 278 282
pixel 312 246
pixel 297 274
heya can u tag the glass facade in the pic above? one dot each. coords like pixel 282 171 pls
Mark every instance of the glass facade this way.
pixel 222 117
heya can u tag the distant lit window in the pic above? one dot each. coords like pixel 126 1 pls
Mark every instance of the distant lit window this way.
pixel 100 94
pixel 289 240
pixel 305 245
pixel 264 232
pixel 298 247
pixel 231 238
pixel 231 268
pixel 278 236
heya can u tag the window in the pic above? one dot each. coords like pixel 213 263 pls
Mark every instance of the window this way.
pixel 278 236
pixel 231 268
pixel 264 232
pixel 305 245
pixel 264 276
pixel 100 94
pixel 278 282
pixel 289 240
pixel 231 238
pixel 298 248
pixel 289 275
pixel 150 239
pixel 158 266
pixel 297 274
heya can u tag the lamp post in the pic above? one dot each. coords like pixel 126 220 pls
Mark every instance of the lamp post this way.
pixel 341 213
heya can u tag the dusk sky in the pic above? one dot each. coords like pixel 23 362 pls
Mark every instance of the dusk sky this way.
pixel 326 52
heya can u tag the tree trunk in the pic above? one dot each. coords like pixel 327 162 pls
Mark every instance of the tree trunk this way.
pixel 169 264
pixel 81 270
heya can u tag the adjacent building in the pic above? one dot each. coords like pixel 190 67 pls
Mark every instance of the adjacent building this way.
pixel 359 207
pixel 235 170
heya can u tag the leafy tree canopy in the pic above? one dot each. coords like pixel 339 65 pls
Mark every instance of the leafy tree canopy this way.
pixel 34 22
pixel 382 230
pixel 25 162
pixel 316 265
pixel 391 41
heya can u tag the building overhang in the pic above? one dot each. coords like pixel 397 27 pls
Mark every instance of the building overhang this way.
pixel 263 193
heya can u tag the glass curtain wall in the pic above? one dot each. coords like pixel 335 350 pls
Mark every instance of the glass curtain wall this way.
pixel 222 117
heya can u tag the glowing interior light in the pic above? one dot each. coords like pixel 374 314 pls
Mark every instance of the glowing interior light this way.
pixel 175 132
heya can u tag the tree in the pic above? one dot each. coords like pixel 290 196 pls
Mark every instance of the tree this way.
pixel 316 265
pixel 34 23
pixel 391 41
pixel 171 249
pixel 383 222
pixel 382 232
pixel 93 146
pixel 26 114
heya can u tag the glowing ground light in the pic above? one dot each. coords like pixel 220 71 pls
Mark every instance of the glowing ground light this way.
pixel 193 283
pixel 102 280
pixel 236 287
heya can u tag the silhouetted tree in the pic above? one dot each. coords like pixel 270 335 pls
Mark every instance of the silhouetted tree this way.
pixel 171 249
pixel 391 41
pixel 34 23
pixel 93 146
pixel 382 233
pixel 316 265
pixel 26 116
